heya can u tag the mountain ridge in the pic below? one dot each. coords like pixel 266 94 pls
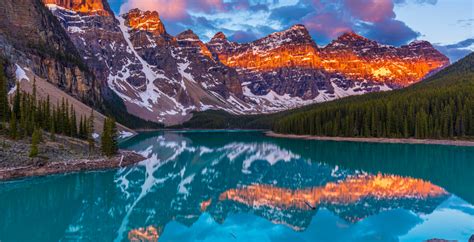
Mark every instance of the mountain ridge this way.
pixel 164 78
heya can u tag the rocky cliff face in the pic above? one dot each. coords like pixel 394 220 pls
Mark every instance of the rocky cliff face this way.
pixel 82 6
pixel 290 48
pixel 284 70
pixel 164 78
pixel 160 77
pixel 361 58
pixel 290 63
pixel 31 37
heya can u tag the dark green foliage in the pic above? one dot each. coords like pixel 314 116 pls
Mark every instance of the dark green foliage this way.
pixel 13 129
pixel 440 107
pixel 16 101
pixel 218 119
pixel 4 108
pixel 73 123
pixel 90 131
pixel 35 140
pixel 109 144
pixel 30 114
pixel 52 130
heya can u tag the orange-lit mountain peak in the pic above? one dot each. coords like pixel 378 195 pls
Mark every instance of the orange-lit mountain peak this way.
pixel 145 20
pixel 81 6
pixel 351 35
pixel 351 55
pixel 219 36
pixel 292 47
pixel 360 58
pixel 189 39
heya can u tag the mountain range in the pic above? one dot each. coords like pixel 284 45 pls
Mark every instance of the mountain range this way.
pixel 164 78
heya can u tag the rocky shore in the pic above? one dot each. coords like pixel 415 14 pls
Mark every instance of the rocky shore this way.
pixel 125 158
pixel 63 155
pixel 374 140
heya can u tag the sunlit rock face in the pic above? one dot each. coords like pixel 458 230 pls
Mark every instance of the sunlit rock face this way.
pixel 149 21
pixel 159 77
pixel 286 65
pixel 289 62
pixel 82 6
pixel 291 48
pixel 361 58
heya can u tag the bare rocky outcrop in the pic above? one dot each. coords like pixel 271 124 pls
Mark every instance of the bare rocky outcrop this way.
pixel 43 169
pixel 62 155
pixel 32 37
pixel 82 6
pixel 360 58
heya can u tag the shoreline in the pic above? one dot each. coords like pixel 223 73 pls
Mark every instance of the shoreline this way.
pixel 465 143
pixel 123 159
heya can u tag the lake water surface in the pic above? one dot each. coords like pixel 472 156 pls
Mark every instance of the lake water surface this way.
pixel 244 186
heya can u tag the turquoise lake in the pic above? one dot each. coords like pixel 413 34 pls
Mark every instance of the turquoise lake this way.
pixel 244 186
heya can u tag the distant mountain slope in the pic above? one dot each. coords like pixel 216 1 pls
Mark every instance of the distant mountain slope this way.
pixel 440 107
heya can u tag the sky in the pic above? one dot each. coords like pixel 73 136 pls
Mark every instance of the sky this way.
pixel 447 24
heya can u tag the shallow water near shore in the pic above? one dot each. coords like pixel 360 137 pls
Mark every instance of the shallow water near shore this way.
pixel 244 186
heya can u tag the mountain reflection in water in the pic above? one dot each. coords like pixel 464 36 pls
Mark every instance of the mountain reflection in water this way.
pixel 243 186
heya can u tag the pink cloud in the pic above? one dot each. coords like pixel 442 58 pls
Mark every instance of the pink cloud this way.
pixel 371 10
pixel 175 9
pixel 327 24
pixel 172 10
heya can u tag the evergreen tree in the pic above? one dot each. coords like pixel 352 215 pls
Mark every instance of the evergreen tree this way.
pixel 13 126
pixel 114 136
pixel 90 131
pixel 109 144
pixel 4 108
pixel 73 124
pixel 35 140
pixel 53 130
pixel 440 107
pixel 17 100
pixel 106 138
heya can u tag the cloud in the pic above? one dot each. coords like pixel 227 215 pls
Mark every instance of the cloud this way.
pixel 370 10
pixel 458 50
pixel 175 9
pixel 171 10
pixel 390 31
pixel 247 20
pixel 326 26
pixel 374 19
pixel 243 36
pixel 290 15
pixel 467 23
pixel 432 2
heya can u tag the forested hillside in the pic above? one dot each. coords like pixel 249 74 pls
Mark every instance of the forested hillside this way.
pixel 440 107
